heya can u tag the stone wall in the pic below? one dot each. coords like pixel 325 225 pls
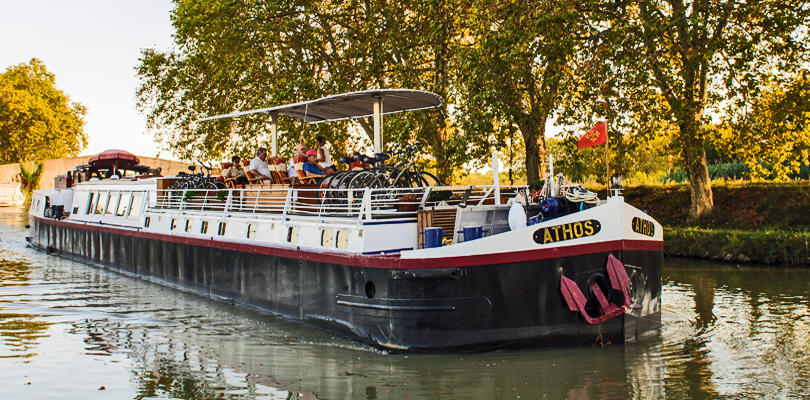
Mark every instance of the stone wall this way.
pixel 60 166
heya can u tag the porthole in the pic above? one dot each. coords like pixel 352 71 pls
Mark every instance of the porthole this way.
pixel 342 239
pixel 188 225
pixel 221 229
pixel 174 224
pixel 292 234
pixel 204 227
pixel 251 231
pixel 326 237
pixel 146 222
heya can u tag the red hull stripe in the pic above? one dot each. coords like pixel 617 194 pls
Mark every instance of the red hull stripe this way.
pixel 392 261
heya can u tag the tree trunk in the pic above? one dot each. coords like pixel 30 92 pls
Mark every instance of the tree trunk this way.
pixel 697 169
pixel 534 140
pixel 532 153
pixel 700 185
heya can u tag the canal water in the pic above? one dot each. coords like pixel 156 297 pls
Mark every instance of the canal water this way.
pixel 71 331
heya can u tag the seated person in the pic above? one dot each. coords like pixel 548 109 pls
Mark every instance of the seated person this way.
pixel 236 171
pixel 324 158
pixel 311 167
pixel 258 166
pixel 300 150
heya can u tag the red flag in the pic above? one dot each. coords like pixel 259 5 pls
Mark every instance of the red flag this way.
pixel 597 135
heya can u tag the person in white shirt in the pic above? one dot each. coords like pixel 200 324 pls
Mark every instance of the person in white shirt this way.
pixel 300 150
pixel 323 155
pixel 258 166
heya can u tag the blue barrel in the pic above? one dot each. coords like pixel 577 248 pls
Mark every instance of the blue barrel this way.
pixel 533 220
pixel 433 237
pixel 472 232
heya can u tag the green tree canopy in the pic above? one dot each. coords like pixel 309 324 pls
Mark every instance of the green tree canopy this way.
pixel 681 61
pixel 37 120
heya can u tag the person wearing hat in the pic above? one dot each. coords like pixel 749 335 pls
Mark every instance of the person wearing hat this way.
pixel 311 167
pixel 236 171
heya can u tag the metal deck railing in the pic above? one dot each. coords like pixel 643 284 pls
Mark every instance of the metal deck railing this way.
pixel 366 203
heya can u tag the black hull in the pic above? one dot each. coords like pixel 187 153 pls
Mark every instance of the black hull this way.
pixel 511 305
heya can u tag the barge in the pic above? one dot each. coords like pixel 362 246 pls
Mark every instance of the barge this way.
pixel 365 262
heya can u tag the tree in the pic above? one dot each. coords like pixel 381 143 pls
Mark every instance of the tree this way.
pixel 773 138
pixel 241 55
pixel 37 120
pixel 515 70
pixel 685 59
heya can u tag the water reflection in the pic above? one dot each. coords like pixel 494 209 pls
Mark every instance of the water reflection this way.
pixel 728 333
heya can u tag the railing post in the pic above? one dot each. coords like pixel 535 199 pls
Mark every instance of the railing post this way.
pixel 367 203
pixel 287 203
pixel 182 203
pixel 228 202
pixel 425 196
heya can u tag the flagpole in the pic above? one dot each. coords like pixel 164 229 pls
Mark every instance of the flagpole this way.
pixel 607 157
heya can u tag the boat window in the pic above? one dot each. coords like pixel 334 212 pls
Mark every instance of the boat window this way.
pixel 135 208
pixel 342 239
pixel 204 227
pixel 90 204
pixel 292 234
pixel 123 204
pixel 113 203
pixel 146 222
pixel 75 210
pixel 174 224
pixel 221 230
pixel 326 238
pixel 102 202
pixel 251 232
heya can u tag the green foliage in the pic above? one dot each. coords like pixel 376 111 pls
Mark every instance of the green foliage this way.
pixel 190 194
pixel 732 170
pixel 774 137
pixel 222 195
pixel 234 56
pixel 673 63
pixel 766 246
pixel 440 195
pixel 514 68
pixel 37 121
pixel 749 206
pixel 30 174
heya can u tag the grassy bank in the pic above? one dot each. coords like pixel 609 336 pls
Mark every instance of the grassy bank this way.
pixel 752 222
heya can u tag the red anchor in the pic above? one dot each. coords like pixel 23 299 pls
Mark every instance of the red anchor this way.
pixel 618 280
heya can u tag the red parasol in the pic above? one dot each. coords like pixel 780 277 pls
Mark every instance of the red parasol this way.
pixel 106 158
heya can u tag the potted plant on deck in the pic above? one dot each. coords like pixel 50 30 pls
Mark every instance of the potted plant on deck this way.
pixel 408 203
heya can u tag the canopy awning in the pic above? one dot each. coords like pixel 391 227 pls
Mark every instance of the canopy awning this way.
pixel 121 158
pixel 350 105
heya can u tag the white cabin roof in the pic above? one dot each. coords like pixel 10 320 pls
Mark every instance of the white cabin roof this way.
pixel 349 105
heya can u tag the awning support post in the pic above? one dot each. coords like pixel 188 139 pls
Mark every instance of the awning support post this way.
pixel 377 124
pixel 274 131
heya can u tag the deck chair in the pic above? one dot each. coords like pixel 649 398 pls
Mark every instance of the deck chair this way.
pixel 299 169
pixel 278 171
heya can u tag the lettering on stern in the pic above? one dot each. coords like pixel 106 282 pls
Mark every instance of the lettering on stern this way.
pixel 569 231
pixel 643 226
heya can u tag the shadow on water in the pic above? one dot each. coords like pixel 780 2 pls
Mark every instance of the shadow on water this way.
pixel 68 329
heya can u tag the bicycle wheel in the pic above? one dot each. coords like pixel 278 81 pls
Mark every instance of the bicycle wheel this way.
pixel 429 179
pixel 176 190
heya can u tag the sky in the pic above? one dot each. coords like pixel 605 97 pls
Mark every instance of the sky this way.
pixel 93 47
